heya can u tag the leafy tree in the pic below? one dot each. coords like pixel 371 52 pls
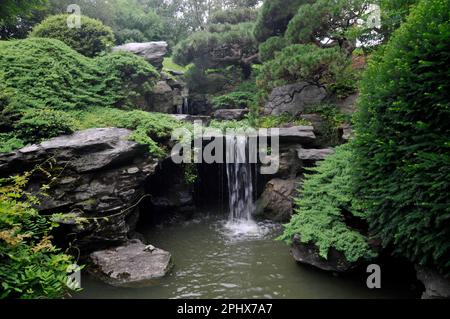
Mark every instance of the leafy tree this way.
pixel 10 9
pixel 328 23
pixel 223 45
pixel 92 38
pixel 274 17
pixel 402 147
pixel 300 62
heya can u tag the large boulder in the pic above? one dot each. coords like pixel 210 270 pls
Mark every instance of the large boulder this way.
pixel 163 99
pixel 152 52
pixel 131 265
pixel 100 175
pixel 294 98
pixel 230 114
pixel 436 285
pixel 308 253
pixel 276 202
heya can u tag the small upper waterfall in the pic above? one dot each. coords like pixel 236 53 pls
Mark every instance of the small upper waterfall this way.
pixel 240 179
pixel 184 107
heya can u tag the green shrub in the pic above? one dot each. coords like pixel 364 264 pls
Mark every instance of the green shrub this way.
pixel 42 124
pixel 9 142
pixel 302 63
pixel 319 214
pixel 30 265
pixel 46 73
pixel 402 146
pixel 92 38
pixel 233 100
pixel 233 16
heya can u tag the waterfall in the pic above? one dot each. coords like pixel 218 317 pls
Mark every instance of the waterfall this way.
pixel 184 107
pixel 240 179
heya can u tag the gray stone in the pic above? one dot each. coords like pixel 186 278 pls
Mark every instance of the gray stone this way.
pixel 436 286
pixel 131 265
pixel 230 114
pixel 162 99
pixel 101 174
pixel 276 202
pixel 294 98
pixel 314 155
pixel 152 52
pixel 346 132
pixel 308 253
pixel 303 135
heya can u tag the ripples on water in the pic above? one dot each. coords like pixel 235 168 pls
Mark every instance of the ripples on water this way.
pixel 217 259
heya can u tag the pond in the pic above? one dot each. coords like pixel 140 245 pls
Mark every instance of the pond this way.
pixel 216 259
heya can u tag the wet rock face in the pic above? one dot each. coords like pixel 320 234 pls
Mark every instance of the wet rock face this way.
pixel 436 286
pixel 276 202
pixel 294 98
pixel 131 265
pixel 100 174
pixel 152 52
pixel 306 253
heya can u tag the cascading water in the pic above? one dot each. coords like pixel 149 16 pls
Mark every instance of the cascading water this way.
pixel 184 107
pixel 240 188
pixel 240 179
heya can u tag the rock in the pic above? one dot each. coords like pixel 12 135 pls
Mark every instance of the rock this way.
pixel 131 265
pixel 303 135
pixel 309 254
pixel 346 132
pixel 192 118
pixel 348 105
pixel 163 98
pixel 100 173
pixel 199 104
pixel 436 286
pixel 289 165
pixel 230 114
pixel 314 155
pixel 276 202
pixel 294 98
pixel 152 52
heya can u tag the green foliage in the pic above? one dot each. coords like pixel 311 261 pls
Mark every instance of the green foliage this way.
pixel 332 118
pixel 151 129
pixel 233 16
pixel 268 49
pixel 214 49
pixel 30 265
pixel 45 73
pixel 274 17
pixel 319 213
pixel 168 64
pixel 402 144
pixel 9 142
pixel 12 8
pixel 234 100
pixel 302 63
pixel 92 38
pixel 327 19
pixel 42 124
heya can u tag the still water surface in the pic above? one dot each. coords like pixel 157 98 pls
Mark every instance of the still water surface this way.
pixel 214 259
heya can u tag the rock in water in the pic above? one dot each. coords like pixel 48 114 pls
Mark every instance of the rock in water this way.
pixel 436 285
pixel 294 98
pixel 152 52
pixel 130 265
pixel 308 253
